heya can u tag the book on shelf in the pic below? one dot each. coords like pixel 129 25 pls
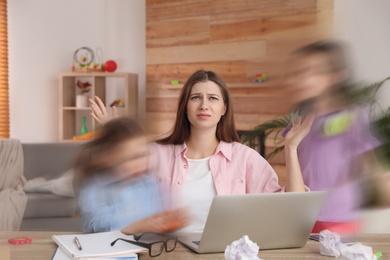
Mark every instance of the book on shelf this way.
pixel 96 245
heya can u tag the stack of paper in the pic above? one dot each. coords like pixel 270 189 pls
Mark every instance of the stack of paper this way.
pixel 61 255
pixel 96 245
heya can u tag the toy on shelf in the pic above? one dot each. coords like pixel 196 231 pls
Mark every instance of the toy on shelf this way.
pixel 85 60
pixel 19 240
pixel 259 78
pixel 110 66
pixel 98 63
pixel 175 82
pixel 117 103
pixel 87 136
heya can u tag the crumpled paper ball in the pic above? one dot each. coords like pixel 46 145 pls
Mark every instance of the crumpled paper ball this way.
pixel 330 245
pixel 357 251
pixel 242 249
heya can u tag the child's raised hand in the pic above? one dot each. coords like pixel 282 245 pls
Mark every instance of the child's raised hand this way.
pixel 299 130
pixel 99 111
pixel 170 220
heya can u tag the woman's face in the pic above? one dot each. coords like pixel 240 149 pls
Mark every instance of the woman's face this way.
pixel 205 105
pixel 130 157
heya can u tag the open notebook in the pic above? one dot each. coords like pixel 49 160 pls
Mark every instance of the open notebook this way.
pixel 96 245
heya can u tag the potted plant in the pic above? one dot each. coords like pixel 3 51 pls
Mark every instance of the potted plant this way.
pixel 82 98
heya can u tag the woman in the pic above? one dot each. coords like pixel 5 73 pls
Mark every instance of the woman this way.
pixel 202 157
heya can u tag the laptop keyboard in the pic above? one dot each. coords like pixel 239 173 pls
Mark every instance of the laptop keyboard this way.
pixel 196 242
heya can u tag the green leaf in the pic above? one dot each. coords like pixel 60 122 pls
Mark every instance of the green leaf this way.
pixel 366 94
pixel 267 128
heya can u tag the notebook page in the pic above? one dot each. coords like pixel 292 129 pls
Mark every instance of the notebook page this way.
pixel 97 244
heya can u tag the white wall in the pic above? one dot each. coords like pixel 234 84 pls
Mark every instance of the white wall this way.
pixel 365 26
pixel 43 34
pixel 125 29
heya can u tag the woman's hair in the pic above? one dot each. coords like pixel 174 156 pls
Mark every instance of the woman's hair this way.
pixel 226 130
pixel 89 162
pixel 337 62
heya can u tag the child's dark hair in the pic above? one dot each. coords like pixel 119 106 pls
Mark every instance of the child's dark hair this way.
pixel 112 133
pixel 336 54
pixel 335 51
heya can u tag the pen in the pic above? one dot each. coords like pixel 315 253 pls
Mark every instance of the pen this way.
pixel 77 242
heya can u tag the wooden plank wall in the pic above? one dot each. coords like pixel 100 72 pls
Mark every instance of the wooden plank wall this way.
pixel 236 39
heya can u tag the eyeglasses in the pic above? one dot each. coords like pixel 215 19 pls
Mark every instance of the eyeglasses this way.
pixel 157 245
pixel 170 241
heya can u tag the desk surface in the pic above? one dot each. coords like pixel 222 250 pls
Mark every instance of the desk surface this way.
pixel 43 248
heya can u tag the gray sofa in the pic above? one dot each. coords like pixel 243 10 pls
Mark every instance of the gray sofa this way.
pixel 46 211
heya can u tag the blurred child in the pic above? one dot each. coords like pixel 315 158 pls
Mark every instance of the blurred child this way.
pixel 330 156
pixel 113 186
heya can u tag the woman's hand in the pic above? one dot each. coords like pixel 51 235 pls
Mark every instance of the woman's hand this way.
pixel 99 111
pixel 299 130
pixel 162 222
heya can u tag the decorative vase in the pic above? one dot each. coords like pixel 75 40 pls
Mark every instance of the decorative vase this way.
pixel 84 128
pixel 81 100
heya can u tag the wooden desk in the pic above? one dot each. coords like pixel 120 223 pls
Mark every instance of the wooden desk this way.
pixel 43 248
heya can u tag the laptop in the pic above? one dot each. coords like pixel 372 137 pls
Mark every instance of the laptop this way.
pixel 272 220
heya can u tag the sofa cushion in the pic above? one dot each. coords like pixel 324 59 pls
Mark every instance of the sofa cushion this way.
pixel 62 186
pixel 52 224
pixel 46 205
pixel 48 160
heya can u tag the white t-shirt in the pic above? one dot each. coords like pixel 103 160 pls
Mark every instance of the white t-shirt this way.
pixel 198 193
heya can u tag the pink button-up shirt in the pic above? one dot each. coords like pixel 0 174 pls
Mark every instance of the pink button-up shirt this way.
pixel 235 168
